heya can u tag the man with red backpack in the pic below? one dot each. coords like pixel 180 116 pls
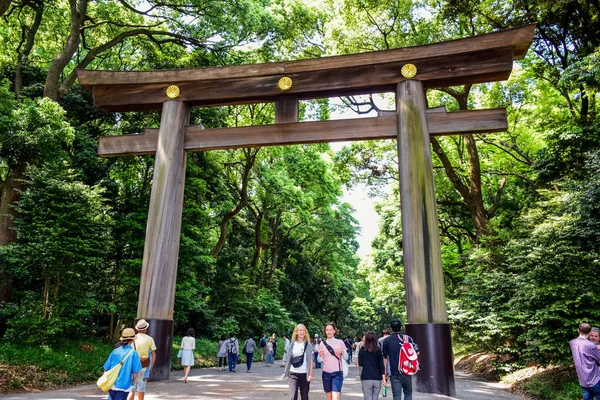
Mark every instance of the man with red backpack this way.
pixel 400 357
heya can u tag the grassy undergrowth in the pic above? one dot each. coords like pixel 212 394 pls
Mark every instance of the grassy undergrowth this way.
pixel 551 383
pixel 46 367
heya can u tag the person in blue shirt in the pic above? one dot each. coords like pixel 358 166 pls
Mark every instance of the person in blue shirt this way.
pixel 124 353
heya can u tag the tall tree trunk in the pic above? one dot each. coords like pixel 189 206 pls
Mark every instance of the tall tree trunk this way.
pixel 274 247
pixel 46 297
pixel 242 203
pixel 255 275
pixel 62 59
pixel 56 292
pixel 4 6
pixel 10 193
pixel 472 193
pixel 29 41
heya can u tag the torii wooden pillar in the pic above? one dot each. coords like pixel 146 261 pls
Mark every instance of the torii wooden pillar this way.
pixel 477 59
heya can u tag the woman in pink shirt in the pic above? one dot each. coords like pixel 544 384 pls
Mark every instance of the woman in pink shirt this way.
pixel 332 352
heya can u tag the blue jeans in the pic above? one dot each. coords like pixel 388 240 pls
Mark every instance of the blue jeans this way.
pixel 401 383
pixel 232 361
pixel 317 363
pixel 349 360
pixel 591 393
pixel 249 357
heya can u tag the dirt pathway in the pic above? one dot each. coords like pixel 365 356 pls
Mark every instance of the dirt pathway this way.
pixel 262 383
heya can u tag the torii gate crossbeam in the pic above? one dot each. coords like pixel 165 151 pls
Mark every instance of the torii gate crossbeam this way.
pixel 477 59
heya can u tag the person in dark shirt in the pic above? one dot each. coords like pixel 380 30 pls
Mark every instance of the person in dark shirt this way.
pixel 372 372
pixel 349 345
pixel 391 353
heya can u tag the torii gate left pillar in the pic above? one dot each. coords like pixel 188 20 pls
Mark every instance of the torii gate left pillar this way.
pixel 161 250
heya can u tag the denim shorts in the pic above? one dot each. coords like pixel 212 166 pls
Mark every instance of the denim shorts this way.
pixel 140 384
pixel 332 381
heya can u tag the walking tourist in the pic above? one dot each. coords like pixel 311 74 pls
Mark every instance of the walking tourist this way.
pixel 269 359
pixel 316 343
pixel 222 352
pixel 586 357
pixel 274 341
pixel 146 349
pixel 188 344
pixel 286 344
pixel 594 336
pixel 360 344
pixel 233 351
pixel 124 353
pixel 263 346
pixel 372 373
pixel 391 353
pixel 384 334
pixel 299 363
pixel 249 349
pixel 332 353
pixel 349 347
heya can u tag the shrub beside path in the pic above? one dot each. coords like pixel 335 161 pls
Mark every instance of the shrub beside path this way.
pixel 262 383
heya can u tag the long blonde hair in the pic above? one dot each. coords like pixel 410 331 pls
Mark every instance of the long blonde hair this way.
pixel 295 334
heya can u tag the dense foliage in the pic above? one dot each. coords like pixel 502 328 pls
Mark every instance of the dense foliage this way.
pixel 266 240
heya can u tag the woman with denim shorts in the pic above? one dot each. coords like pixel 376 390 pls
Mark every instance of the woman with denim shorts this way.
pixel 332 352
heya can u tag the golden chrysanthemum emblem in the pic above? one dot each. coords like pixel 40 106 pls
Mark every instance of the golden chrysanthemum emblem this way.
pixel 409 71
pixel 173 92
pixel 285 83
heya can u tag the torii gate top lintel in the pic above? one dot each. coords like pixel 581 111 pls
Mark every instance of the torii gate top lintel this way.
pixel 477 59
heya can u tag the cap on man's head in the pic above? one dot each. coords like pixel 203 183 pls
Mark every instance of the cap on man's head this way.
pixel 142 325
pixel 316 335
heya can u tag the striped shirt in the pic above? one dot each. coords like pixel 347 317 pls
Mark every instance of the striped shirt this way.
pixel 586 357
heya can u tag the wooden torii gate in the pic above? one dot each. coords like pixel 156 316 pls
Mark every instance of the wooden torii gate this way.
pixel 408 72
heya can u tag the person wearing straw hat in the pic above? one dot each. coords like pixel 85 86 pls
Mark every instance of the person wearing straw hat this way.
pixel 124 353
pixel 145 347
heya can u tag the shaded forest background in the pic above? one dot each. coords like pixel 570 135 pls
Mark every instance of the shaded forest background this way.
pixel 266 239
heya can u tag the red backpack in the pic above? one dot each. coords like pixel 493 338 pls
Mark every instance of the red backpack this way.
pixel 409 364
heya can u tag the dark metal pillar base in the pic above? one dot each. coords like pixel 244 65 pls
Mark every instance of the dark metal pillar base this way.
pixel 161 331
pixel 435 356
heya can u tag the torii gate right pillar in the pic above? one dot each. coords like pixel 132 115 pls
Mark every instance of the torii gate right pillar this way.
pixel 423 274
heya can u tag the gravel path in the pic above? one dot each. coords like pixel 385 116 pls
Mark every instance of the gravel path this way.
pixel 262 383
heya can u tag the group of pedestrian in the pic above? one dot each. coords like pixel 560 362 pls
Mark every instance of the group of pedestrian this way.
pixel 586 357
pixel 136 352
pixel 378 359
pixel 268 349
pixel 229 354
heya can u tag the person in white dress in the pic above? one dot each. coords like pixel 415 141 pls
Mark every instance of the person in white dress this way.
pixel 188 344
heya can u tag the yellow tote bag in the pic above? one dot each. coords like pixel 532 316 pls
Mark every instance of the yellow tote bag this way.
pixel 108 378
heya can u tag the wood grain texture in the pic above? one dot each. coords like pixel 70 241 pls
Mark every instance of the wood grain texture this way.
pixel 286 110
pixel 163 230
pixel 199 139
pixel 481 66
pixel 423 272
